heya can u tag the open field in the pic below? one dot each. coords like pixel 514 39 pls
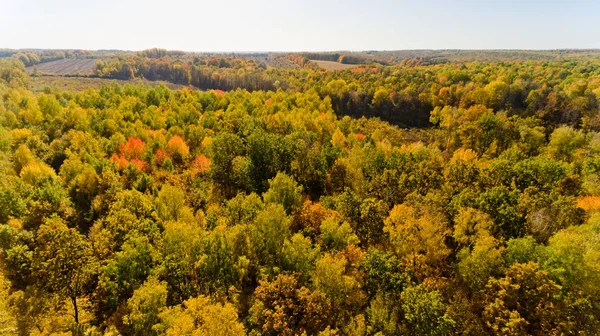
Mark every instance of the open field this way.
pixel 329 65
pixel 38 84
pixel 65 66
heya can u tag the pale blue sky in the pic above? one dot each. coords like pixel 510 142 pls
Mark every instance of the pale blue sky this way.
pixel 272 25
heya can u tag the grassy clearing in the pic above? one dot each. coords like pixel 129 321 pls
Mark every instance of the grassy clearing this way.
pixel 329 65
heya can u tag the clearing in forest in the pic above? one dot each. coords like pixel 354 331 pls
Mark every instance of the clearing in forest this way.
pixel 65 66
pixel 330 65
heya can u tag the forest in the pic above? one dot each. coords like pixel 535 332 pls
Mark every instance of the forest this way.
pixel 268 196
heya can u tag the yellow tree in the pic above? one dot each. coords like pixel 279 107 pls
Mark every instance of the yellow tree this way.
pixel 417 236
pixel 199 317
pixel 178 149
pixel 8 323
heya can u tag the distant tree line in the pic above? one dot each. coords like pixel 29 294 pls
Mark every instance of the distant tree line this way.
pixel 214 73
pixel 555 92
pixel 332 57
pixel 30 58
pixel 345 58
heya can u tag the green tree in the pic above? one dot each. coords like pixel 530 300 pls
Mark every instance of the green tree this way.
pixel 425 312
pixel 222 265
pixel 570 257
pixel 383 273
pixel 336 234
pixel 242 209
pixel 564 142
pixel 64 262
pixel 123 275
pixel 483 260
pixel 285 191
pixel 224 148
pixel 170 203
pixel 181 252
pixel 271 229
pixel 144 307
pixel 299 254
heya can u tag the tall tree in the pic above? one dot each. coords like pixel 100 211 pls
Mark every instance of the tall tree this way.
pixel 64 262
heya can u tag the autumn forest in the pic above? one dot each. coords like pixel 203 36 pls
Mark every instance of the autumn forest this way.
pixel 401 193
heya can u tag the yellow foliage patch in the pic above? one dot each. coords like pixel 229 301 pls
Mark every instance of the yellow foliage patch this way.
pixel 467 155
pixel 36 171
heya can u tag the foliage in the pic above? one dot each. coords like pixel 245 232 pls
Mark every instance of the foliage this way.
pixel 198 316
pixel 404 196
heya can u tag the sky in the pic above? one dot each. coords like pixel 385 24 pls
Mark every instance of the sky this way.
pixel 304 25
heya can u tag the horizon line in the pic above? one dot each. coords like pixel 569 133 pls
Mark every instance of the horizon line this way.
pixel 306 51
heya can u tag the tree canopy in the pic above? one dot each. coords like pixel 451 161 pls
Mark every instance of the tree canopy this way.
pixel 391 198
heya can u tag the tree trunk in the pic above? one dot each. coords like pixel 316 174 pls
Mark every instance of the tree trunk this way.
pixel 74 300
